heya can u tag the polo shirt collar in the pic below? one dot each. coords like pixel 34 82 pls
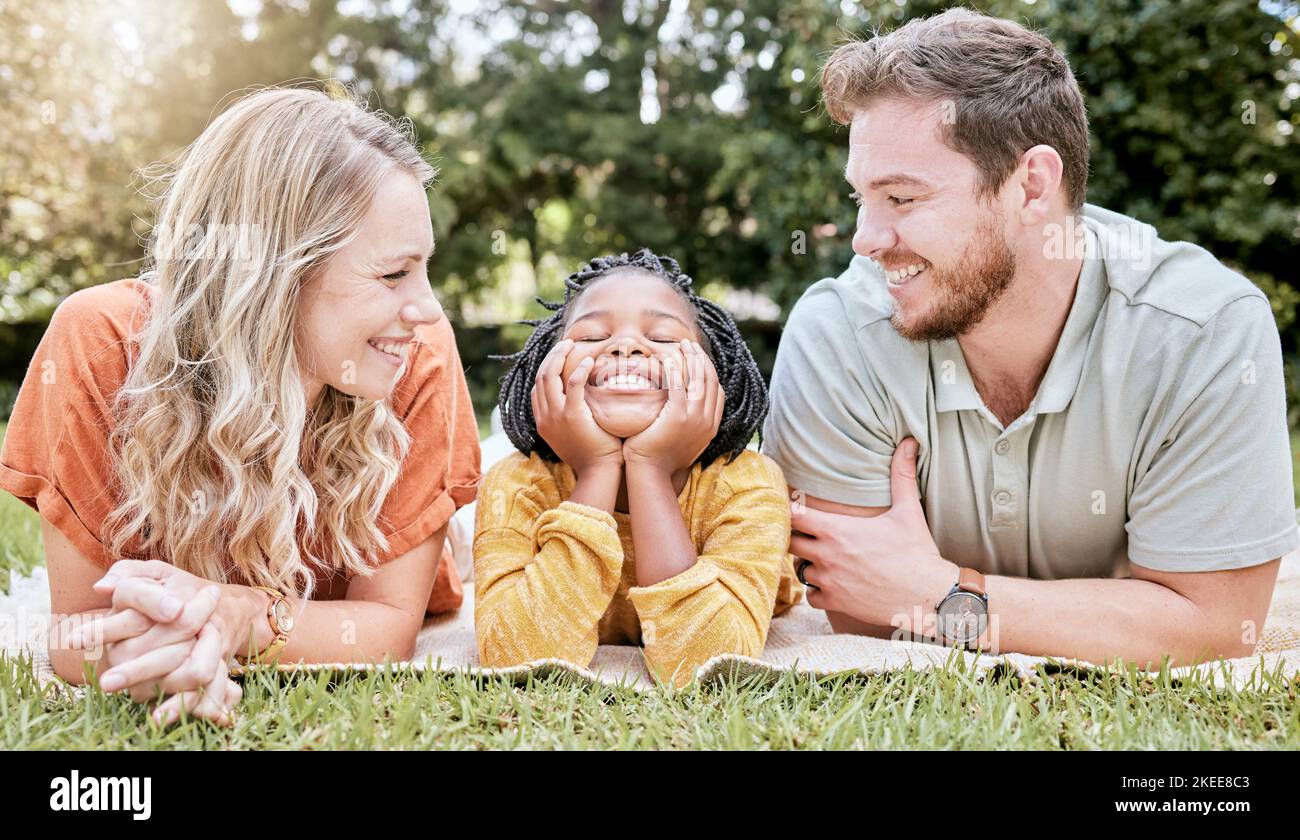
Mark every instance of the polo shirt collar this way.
pixel 954 388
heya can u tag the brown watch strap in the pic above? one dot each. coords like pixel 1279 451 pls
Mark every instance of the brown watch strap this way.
pixel 281 637
pixel 971 581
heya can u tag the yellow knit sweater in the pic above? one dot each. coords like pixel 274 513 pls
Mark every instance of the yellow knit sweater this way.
pixel 555 578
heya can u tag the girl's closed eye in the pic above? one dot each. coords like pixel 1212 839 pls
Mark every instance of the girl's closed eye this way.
pixel 655 340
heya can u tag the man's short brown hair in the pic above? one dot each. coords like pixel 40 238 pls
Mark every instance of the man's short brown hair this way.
pixel 1010 89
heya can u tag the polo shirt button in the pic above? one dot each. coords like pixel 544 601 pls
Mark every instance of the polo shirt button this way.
pixel 1002 497
pixel 1002 446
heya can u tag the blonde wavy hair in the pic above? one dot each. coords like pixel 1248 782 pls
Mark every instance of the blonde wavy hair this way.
pixel 220 460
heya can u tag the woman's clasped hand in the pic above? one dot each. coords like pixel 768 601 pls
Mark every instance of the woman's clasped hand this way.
pixel 167 637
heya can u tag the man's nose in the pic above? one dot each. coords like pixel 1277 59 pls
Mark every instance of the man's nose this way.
pixel 873 235
pixel 423 308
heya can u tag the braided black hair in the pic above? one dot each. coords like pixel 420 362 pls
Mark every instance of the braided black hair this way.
pixel 738 374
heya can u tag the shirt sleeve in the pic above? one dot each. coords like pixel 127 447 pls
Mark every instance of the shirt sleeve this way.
pixel 724 603
pixel 440 472
pixel 1216 491
pixel 55 456
pixel 545 571
pixel 830 427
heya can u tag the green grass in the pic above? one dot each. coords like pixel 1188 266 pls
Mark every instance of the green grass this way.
pixel 20 535
pixel 904 710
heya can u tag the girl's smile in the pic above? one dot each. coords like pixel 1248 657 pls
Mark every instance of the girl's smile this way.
pixel 625 375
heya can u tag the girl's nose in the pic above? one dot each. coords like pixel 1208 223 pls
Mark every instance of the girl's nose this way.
pixel 626 345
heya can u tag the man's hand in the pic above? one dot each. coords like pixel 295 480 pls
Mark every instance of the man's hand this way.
pixel 880 569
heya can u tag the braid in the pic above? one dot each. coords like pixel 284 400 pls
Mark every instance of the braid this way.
pixel 738 374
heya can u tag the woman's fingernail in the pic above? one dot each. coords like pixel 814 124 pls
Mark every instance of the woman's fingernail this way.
pixel 111 682
pixel 106 580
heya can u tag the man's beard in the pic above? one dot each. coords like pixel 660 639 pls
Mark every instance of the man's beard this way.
pixel 960 298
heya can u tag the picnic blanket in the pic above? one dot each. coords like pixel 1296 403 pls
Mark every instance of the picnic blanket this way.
pixel 801 640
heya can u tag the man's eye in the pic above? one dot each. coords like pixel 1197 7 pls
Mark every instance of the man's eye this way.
pixel 396 275
pixel 899 202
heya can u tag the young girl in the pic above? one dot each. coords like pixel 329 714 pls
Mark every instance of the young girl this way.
pixel 632 513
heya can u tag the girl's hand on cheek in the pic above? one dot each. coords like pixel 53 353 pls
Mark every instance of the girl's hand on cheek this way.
pixel 689 419
pixel 563 419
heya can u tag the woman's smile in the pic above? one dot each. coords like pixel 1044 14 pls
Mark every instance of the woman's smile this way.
pixel 391 350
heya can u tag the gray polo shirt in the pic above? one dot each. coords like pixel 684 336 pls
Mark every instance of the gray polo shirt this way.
pixel 1158 434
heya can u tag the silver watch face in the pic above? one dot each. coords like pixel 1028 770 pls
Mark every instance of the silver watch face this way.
pixel 962 618
pixel 284 616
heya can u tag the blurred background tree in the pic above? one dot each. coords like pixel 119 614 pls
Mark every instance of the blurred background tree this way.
pixel 568 130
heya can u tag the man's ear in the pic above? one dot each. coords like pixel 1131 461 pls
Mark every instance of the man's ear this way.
pixel 1039 177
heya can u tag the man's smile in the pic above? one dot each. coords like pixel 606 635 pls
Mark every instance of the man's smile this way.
pixel 902 274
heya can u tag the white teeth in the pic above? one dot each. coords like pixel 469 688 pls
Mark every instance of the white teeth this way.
pixel 392 348
pixel 902 274
pixel 627 382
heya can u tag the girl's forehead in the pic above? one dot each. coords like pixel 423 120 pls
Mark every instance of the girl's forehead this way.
pixel 630 290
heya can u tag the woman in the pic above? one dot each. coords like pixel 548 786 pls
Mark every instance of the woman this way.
pixel 271 423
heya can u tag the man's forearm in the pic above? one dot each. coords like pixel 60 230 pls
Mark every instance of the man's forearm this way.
pixel 1100 619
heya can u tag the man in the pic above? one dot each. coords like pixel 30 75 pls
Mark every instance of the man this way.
pixel 1018 422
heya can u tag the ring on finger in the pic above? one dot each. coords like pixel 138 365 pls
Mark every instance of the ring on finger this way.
pixel 804 564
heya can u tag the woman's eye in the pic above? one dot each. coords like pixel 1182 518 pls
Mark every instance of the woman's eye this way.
pixel 396 275
pixel 666 340
pixel 899 202
pixel 589 339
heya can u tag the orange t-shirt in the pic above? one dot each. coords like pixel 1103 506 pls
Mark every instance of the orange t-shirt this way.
pixel 55 455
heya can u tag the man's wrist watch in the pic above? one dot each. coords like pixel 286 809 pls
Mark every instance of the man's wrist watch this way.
pixel 964 611
pixel 280 616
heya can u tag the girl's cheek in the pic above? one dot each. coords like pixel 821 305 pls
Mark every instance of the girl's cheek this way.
pixel 571 363
pixel 678 363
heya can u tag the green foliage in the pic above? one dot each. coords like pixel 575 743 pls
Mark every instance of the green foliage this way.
pixel 94 92
pixel 565 130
